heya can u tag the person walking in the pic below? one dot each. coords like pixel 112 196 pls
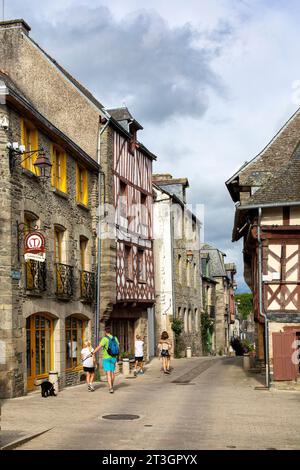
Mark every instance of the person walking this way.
pixel 88 362
pixel 139 355
pixel 110 346
pixel 164 347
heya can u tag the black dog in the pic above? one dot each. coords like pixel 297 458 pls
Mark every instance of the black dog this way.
pixel 47 389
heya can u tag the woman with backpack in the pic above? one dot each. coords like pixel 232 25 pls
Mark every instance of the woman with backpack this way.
pixel 164 347
pixel 110 346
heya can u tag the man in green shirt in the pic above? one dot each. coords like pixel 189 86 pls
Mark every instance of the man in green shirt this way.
pixel 110 346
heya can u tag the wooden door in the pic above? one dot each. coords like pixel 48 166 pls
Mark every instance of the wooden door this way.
pixel 123 329
pixel 39 348
pixel 284 364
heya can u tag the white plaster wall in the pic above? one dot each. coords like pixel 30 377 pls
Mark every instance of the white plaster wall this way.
pixel 163 260
pixel 272 216
pixel 294 215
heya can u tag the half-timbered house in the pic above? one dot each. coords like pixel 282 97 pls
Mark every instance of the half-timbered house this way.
pixel 266 192
pixel 127 269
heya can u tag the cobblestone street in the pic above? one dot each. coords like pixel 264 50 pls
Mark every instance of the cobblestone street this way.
pixel 206 403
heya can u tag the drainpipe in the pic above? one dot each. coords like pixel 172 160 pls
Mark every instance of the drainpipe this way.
pixel 99 246
pixel 261 299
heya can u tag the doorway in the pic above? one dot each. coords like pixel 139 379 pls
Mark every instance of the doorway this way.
pixel 39 347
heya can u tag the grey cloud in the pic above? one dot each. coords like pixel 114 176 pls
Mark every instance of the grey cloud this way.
pixel 157 70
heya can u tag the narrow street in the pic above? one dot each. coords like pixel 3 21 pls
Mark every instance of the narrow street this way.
pixel 206 403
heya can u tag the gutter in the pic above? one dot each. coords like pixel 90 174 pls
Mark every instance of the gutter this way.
pixel 101 181
pixel 271 204
pixel 261 312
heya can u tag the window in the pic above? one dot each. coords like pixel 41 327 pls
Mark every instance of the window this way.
pixel 83 252
pixel 58 240
pixel 179 269
pixel 75 333
pixel 196 320
pixel 81 185
pixel 188 274
pixel 132 141
pixel 185 320
pixel 29 138
pixel 30 222
pixel 128 262
pixel 83 255
pixel 123 200
pixel 141 266
pixel 59 168
pixel 190 321
pixel 179 313
pixel 195 276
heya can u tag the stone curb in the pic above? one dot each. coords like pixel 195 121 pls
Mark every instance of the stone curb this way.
pixel 23 440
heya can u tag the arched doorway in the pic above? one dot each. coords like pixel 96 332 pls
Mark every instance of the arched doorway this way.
pixel 39 347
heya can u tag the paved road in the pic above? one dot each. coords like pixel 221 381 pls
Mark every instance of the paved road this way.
pixel 207 403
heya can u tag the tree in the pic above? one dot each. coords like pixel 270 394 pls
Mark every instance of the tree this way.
pixel 245 305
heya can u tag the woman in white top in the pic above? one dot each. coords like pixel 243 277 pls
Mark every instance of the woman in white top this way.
pixel 139 355
pixel 88 362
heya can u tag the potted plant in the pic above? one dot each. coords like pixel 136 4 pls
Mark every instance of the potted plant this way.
pixel 248 349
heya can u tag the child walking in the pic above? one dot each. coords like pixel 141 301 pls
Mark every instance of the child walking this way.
pixel 164 347
pixel 88 363
pixel 139 355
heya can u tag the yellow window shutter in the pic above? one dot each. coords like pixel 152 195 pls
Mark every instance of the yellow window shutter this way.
pixel 85 188
pixel 35 145
pixel 53 168
pixel 23 141
pixel 77 183
pixel 63 172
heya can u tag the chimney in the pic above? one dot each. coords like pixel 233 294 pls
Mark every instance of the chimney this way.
pixel 161 177
pixel 16 24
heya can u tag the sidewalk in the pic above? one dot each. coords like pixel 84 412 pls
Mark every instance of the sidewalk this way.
pixel 26 417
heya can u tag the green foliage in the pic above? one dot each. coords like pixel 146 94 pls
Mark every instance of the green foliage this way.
pixel 241 347
pixel 207 328
pixel 244 304
pixel 177 326
pixel 126 355
pixel 247 346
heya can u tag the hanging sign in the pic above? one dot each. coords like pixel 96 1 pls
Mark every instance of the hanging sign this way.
pixel 34 247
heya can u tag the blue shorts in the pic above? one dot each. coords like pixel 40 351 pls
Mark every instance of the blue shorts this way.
pixel 109 365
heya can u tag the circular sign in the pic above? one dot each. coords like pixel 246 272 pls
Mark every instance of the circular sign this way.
pixel 34 243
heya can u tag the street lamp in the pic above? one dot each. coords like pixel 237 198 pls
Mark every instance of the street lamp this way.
pixel 189 256
pixel 42 161
pixel 44 165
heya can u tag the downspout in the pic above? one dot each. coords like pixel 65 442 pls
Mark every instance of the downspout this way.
pixel 261 299
pixel 99 234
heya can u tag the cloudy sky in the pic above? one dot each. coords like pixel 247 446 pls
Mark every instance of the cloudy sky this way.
pixel 210 80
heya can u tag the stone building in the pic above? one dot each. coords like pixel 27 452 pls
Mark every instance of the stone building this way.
pixel 209 301
pixel 45 314
pixel 220 296
pixel 177 263
pixel 47 308
pixel 127 268
pixel 266 194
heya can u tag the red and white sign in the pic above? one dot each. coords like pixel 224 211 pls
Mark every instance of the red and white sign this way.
pixel 34 247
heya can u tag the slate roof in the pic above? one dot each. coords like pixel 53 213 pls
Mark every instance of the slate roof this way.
pixel 217 267
pixel 282 187
pixel 123 114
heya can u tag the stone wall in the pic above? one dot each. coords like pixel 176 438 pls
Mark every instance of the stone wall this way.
pixel 20 192
pixel 48 88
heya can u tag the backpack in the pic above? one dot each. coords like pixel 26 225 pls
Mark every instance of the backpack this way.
pixel 113 347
